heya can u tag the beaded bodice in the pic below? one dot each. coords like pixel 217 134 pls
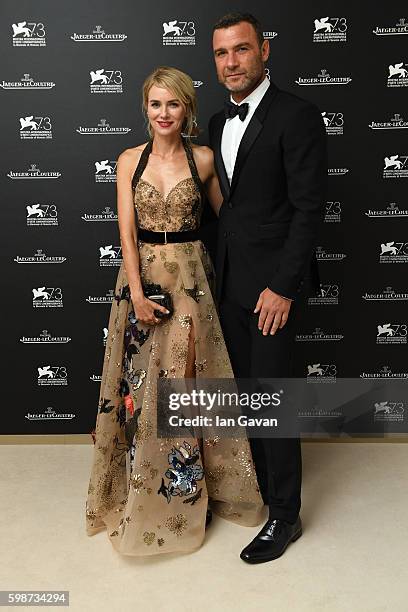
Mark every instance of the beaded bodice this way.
pixel 179 210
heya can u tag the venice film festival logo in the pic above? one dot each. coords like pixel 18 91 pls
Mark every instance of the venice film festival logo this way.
pixel 110 255
pixel 333 122
pixel 26 82
pixel 105 171
pixel 52 376
pixel 41 214
pixel 321 373
pixel 332 212
pixel 103 128
pixel 386 295
pixel 323 78
pixel 395 166
pixel 106 81
pixel 178 33
pixel 47 297
pixel 391 411
pixel 394 252
pixel 330 29
pixel 328 295
pixel 28 34
pixel 45 338
pixel 397 75
pixel 395 123
pixel 401 27
pixel 35 128
pixel 98 34
pixel 392 210
pixel 392 333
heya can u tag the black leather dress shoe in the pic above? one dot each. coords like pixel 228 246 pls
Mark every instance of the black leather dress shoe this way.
pixel 271 541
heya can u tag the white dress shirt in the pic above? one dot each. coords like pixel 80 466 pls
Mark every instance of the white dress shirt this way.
pixel 234 128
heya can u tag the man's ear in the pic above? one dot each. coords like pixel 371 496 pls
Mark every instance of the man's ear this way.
pixel 265 49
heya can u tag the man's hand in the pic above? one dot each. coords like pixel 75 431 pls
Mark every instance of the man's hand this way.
pixel 274 310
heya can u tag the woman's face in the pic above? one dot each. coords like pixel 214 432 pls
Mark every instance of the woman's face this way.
pixel 164 111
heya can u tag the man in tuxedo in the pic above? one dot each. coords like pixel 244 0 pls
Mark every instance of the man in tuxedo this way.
pixel 270 154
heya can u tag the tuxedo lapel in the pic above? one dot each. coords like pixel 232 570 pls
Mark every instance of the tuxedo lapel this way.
pixel 252 130
pixel 219 162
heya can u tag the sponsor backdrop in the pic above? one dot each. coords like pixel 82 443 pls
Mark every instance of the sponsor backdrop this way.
pixel 71 103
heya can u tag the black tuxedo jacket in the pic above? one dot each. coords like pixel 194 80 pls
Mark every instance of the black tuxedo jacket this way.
pixel 271 212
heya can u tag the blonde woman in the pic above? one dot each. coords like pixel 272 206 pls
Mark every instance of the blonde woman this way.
pixel 154 494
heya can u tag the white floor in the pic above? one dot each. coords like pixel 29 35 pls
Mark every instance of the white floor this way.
pixel 351 557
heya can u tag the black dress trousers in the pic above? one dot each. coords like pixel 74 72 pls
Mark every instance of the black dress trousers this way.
pixel 278 461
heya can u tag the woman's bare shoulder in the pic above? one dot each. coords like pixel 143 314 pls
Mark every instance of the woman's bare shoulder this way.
pixel 131 155
pixel 204 156
pixel 206 153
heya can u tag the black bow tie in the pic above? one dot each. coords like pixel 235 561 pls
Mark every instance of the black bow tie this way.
pixel 231 110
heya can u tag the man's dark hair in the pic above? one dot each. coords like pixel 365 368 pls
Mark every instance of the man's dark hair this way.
pixel 233 18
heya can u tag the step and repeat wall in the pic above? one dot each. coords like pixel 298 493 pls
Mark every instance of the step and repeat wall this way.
pixel 71 81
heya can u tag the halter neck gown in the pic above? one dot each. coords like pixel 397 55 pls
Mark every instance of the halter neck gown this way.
pixel 150 493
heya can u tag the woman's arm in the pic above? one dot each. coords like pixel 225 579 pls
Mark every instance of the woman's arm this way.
pixel 143 307
pixel 127 222
pixel 211 184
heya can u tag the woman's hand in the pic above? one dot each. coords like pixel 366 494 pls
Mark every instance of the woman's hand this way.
pixel 144 310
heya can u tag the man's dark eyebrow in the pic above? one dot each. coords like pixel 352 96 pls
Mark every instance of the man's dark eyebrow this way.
pixel 241 44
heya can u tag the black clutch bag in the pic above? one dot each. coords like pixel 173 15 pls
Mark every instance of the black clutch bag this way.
pixel 155 293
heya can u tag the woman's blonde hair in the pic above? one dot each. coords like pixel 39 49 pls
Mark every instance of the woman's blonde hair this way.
pixel 181 85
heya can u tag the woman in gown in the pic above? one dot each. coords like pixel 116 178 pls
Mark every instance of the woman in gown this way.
pixel 150 493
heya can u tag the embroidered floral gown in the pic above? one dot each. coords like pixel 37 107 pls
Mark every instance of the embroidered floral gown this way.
pixel 151 494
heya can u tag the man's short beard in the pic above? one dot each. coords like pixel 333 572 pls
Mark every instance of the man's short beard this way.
pixel 249 80
pixel 239 87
